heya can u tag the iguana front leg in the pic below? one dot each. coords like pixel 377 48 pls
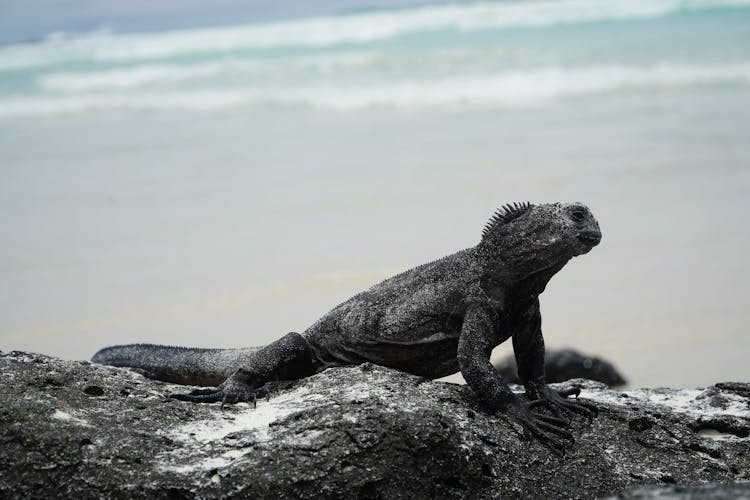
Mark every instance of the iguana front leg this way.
pixel 289 358
pixel 528 346
pixel 474 348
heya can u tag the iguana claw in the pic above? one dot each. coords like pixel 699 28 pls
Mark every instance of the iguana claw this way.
pixel 233 391
pixel 556 401
pixel 548 430
pixel 230 392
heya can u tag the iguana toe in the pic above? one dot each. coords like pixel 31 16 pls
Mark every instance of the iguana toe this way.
pixel 230 392
pixel 549 431
pixel 557 402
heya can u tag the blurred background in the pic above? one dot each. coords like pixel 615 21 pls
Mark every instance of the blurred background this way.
pixel 220 174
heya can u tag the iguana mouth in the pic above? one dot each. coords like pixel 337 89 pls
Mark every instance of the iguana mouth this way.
pixel 590 238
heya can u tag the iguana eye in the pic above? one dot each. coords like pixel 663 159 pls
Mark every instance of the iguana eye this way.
pixel 578 215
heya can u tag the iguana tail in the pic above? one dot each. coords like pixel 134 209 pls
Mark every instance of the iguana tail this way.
pixel 181 365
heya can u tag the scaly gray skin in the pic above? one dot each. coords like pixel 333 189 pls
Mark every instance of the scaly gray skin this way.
pixel 433 320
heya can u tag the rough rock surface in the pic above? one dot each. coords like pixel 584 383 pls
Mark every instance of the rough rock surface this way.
pixel 77 430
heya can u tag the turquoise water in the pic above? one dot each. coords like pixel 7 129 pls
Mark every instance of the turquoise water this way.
pixel 222 186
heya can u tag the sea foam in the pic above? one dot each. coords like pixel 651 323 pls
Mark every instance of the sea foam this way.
pixel 448 56
pixel 354 29
pixel 377 26
pixel 503 89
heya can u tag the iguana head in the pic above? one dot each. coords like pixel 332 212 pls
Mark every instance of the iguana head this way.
pixel 531 238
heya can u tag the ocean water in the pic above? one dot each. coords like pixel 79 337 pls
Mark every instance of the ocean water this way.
pixel 222 186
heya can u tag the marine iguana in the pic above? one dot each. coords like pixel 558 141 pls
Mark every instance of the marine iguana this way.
pixel 433 320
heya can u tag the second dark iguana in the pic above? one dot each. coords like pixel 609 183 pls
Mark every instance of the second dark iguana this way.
pixel 433 320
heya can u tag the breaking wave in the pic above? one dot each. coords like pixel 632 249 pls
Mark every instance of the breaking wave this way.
pixel 377 26
pixel 354 29
pixel 505 89
pixel 241 70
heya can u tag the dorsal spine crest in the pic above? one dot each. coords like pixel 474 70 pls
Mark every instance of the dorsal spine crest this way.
pixel 505 214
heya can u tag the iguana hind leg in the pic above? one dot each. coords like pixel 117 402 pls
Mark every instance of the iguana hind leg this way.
pixel 289 358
